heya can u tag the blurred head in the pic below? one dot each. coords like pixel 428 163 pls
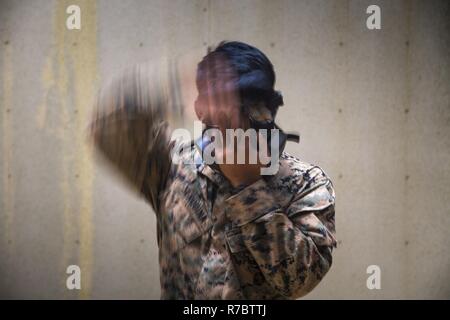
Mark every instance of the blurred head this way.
pixel 235 84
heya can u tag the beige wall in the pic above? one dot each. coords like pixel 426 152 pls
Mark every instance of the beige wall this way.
pixel 372 107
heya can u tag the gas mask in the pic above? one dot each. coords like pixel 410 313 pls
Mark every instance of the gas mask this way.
pixel 261 117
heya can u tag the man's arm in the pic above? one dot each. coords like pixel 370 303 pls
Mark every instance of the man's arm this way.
pixel 129 127
pixel 292 247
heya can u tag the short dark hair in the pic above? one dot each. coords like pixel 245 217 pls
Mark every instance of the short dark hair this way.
pixel 247 68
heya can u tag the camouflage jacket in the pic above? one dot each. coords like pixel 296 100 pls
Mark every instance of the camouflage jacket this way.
pixel 272 239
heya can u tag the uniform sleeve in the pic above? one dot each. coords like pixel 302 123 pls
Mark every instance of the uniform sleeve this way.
pixel 130 126
pixel 292 246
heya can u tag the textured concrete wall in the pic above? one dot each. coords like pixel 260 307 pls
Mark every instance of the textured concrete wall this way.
pixel 372 107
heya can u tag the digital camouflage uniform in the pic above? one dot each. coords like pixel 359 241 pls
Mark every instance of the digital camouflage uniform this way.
pixel 272 239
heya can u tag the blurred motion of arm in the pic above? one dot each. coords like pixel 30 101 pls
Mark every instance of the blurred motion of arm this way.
pixel 130 125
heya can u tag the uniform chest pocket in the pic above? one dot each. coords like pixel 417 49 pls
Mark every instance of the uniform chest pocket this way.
pixel 189 225
pixel 235 240
pixel 188 230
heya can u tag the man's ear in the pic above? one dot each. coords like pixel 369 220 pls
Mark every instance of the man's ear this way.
pixel 199 111
pixel 260 113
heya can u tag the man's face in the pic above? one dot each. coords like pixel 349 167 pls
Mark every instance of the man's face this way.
pixel 221 111
pixel 218 103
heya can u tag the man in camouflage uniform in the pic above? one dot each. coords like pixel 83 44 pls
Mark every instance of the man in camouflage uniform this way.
pixel 224 231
